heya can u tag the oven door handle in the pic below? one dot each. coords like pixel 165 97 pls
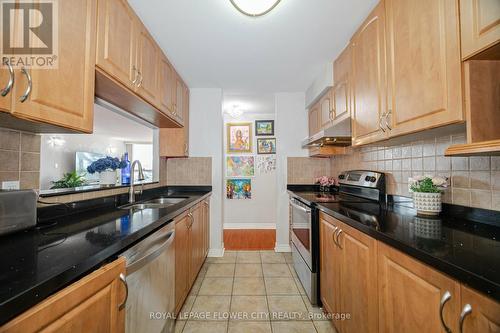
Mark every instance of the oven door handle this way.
pixel 305 210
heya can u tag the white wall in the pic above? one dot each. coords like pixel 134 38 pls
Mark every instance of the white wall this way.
pixel 291 129
pixel 260 211
pixel 205 140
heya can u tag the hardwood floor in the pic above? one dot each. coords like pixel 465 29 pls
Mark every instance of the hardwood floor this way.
pixel 250 239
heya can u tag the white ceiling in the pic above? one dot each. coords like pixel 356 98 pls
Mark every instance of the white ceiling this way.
pixel 250 103
pixel 212 45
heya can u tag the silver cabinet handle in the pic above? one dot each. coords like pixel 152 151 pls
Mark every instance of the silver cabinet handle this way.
pixel 124 281
pixel 136 77
pixel 446 297
pixel 333 235
pixel 190 215
pixel 24 97
pixel 185 148
pixel 338 235
pixel 140 79
pixel 465 312
pixel 380 123
pixel 386 121
pixel 5 91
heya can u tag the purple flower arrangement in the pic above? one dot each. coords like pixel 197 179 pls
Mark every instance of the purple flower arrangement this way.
pixel 107 163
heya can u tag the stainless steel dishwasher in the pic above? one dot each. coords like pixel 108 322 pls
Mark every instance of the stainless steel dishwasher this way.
pixel 151 283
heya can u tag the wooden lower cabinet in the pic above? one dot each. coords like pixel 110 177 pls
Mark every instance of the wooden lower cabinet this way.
pixel 190 251
pixel 358 271
pixel 384 290
pixel 410 294
pixel 484 313
pixel 329 268
pixel 90 305
pixel 182 259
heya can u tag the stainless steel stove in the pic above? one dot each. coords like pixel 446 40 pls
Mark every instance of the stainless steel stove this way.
pixel 355 186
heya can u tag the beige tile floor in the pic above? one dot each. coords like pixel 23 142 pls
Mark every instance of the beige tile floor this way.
pixel 254 291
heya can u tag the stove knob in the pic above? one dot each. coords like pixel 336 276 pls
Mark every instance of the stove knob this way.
pixel 341 176
pixel 373 179
pixel 367 178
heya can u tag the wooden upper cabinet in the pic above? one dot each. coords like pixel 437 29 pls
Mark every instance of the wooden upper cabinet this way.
pixel 424 68
pixel 314 119
pixel 166 81
pixel 358 293
pixel 410 295
pixel 369 78
pixel 480 25
pixel 91 304
pixel 326 110
pixel 341 94
pixel 116 40
pixel 148 54
pixel 179 105
pixel 63 96
pixel 484 315
pixel 5 86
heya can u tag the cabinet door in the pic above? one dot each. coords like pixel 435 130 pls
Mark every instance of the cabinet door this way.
pixel 64 96
pixel 148 54
pixel 358 293
pixel 326 113
pixel 314 120
pixel 166 80
pixel 182 259
pixel 410 295
pixel 91 304
pixel 6 85
pixel 330 260
pixel 341 100
pixel 480 25
pixel 185 120
pixel 369 77
pixel 206 225
pixel 179 100
pixel 485 313
pixel 197 241
pixel 116 40
pixel 424 85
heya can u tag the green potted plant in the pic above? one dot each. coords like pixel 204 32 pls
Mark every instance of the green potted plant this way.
pixel 427 194
pixel 69 180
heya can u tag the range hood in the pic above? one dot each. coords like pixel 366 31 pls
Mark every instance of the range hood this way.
pixel 339 134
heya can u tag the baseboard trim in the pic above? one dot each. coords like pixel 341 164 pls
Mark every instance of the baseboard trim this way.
pixel 216 253
pixel 249 225
pixel 282 248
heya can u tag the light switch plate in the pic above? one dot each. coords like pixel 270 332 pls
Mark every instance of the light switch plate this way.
pixel 10 185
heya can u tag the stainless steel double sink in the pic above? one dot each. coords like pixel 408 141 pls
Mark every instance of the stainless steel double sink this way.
pixel 157 203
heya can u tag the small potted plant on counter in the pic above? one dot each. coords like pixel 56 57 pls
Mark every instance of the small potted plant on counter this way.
pixel 69 180
pixel 106 167
pixel 427 192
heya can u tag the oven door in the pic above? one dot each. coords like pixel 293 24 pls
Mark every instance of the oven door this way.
pixel 301 222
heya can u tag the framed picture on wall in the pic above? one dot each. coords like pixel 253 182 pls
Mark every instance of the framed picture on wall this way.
pixel 239 189
pixel 240 166
pixel 264 127
pixel 239 137
pixel 266 146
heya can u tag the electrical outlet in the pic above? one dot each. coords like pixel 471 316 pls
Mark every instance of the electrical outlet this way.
pixel 10 185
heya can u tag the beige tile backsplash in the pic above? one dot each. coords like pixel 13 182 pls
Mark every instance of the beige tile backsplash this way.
pixel 189 171
pixel 475 181
pixel 304 170
pixel 20 158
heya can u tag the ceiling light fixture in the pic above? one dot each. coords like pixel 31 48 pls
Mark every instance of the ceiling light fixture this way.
pixel 255 8
pixel 236 111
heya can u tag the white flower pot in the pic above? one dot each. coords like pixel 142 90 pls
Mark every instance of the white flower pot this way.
pixel 427 203
pixel 107 177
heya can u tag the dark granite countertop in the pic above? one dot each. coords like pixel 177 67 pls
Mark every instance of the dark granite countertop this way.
pixel 465 249
pixel 73 240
